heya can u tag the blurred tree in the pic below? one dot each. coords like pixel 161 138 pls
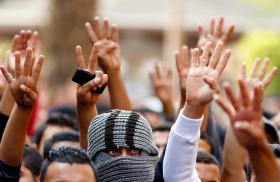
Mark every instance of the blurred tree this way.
pixel 262 44
pixel 64 31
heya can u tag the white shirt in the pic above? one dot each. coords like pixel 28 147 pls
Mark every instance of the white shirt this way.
pixel 181 151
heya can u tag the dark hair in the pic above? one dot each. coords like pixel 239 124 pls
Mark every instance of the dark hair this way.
pixel 204 136
pixel 63 109
pixel 69 155
pixel 163 127
pixel 72 136
pixel 56 119
pixel 206 158
pixel 275 149
pixel 32 160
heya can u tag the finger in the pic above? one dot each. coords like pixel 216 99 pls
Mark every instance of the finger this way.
pixel 15 43
pixel 100 75
pixel 97 28
pixel 231 96
pixel 195 58
pixel 270 76
pixel 255 68
pixel 35 41
pixel 32 95
pixel 219 29
pixel 244 93
pixel 110 47
pixel 158 71
pixel 28 61
pixel 92 84
pixel 258 96
pixel 212 26
pixel 186 56
pixel 106 29
pixel 216 55
pixel 17 64
pixel 93 57
pixel 104 80
pixel 244 71
pixel 115 33
pixel 223 105
pixel 6 75
pixel 212 84
pixel 178 61
pixel 200 30
pixel 222 64
pixel 37 70
pixel 205 54
pixel 263 68
pixel 91 34
pixel 229 34
pixel 28 35
pixel 80 62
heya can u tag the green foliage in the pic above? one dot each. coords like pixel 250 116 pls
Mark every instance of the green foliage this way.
pixel 261 44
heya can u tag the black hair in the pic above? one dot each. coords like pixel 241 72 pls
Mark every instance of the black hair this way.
pixel 275 149
pixel 206 158
pixel 204 136
pixel 163 127
pixel 72 136
pixel 56 119
pixel 32 160
pixel 69 155
pixel 63 109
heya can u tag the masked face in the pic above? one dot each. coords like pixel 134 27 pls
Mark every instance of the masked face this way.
pixel 125 168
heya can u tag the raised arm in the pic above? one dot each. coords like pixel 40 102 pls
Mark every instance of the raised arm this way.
pixel 201 85
pixel 24 90
pixel 161 79
pixel 109 59
pixel 234 153
pixel 86 97
pixel 246 119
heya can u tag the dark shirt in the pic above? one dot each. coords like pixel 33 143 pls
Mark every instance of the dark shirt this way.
pixel 9 173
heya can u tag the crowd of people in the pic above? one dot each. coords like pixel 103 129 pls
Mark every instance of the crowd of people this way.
pixel 125 143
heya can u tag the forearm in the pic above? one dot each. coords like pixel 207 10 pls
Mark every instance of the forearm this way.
pixel 85 115
pixel 118 94
pixel 13 141
pixel 168 108
pixel 180 157
pixel 7 102
pixel 234 157
pixel 264 164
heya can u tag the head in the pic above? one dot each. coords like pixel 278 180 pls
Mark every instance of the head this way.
pixel 120 145
pixel 66 138
pixel 67 164
pixel 31 165
pixel 205 143
pixel 251 177
pixel 160 135
pixel 153 117
pixel 208 167
pixel 56 123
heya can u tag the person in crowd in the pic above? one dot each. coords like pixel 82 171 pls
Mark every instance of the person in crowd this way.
pixel 208 167
pixel 160 135
pixel 205 143
pixel 31 165
pixel 67 164
pixel 56 123
pixel 66 138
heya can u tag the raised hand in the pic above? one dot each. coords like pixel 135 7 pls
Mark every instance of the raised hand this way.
pixel 26 39
pixel 258 76
pixel 24 85
pixel 183 65
pixel 204 75
pixel 245 114
pixel 161 79
pixel 214 34
pixel 85 93
pixel 108 39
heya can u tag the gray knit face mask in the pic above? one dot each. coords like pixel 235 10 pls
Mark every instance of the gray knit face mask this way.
pixel 125 168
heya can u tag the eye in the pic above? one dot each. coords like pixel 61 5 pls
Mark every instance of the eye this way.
pixel 134 152
pixel 115 152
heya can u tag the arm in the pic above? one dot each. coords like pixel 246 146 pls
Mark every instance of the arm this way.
pixel 161 79
pixel 109 59
pixel 248 127
pixel 234 159
pixel 86 97
pixel 24 91
pixel 201 85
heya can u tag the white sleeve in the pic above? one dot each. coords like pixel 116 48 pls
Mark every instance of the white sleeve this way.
pixel 180 155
